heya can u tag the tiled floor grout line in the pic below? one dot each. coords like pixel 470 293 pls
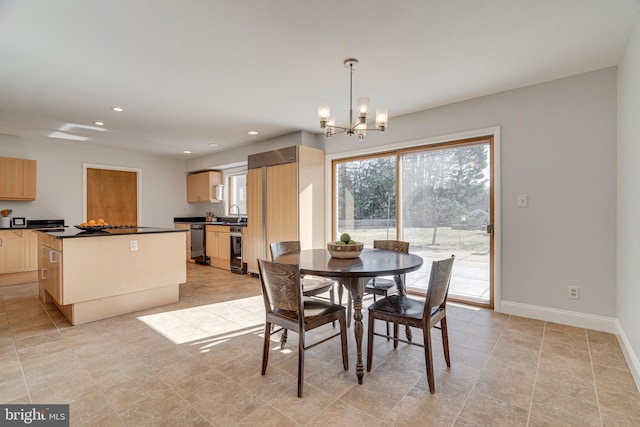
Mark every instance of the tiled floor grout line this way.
pixel 595 384
pixel 535 377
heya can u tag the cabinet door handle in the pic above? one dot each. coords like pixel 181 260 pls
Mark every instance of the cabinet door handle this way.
pixel 0 243
pixel 53 256
pixel 42 276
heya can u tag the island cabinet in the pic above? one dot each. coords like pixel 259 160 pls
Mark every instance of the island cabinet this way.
pixel 50 266
pixel 18 256
pixel 218 246
pixel 17 179
pixel 202 187
pixel 285 201
pixel 94 276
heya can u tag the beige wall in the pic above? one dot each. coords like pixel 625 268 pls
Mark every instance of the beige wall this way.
pixel 628 225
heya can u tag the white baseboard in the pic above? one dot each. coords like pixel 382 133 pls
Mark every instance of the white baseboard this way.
pixel 571 318
pixel 580 320
pixel 629 354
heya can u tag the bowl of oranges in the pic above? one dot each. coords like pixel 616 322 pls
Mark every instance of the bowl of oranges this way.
pixel 93 225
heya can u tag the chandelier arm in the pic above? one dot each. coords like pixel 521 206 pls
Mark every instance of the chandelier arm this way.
pixel 339 127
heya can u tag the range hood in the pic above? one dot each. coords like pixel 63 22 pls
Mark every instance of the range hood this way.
pixel 219 193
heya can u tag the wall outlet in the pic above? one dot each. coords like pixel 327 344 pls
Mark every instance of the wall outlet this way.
pixel 574 292
pixel 133 244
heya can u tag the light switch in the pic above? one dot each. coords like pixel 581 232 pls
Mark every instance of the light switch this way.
pixel 523 200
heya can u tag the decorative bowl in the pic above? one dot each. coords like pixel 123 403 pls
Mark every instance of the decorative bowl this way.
pixel 345 251
pixel 92 227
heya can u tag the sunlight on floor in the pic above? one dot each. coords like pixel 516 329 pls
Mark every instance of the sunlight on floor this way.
pixel 211 324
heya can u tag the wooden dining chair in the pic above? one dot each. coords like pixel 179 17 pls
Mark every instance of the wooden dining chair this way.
pixel 286 307
pixel 312 286
pixel 401 310
pixel 381 285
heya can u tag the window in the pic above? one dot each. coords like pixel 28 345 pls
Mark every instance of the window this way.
pixel 365 198
pixel 237 185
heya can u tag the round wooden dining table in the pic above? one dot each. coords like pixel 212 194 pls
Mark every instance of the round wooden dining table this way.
pixel 354 273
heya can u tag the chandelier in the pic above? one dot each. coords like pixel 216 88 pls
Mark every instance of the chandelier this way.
pixel 359 125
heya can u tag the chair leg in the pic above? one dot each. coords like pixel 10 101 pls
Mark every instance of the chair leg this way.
pixel 428 357
pixel 283 339
pixel 343 341
pixel 409 334
pixel 370 342
pixel 445 340
pixel 266 347
pixel 300 362
pixel 388 334
pixel 395 335
pixel 349 308
pixel 333 300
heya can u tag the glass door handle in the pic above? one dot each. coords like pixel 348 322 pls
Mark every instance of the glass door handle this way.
pixel 490 229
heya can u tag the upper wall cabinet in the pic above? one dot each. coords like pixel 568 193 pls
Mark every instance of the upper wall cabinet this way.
pixel 17 179
pixel 202 187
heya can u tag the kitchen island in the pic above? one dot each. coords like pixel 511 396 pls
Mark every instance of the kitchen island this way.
pixel 93 275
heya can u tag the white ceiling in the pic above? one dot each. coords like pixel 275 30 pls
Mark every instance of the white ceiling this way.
pixel 189 73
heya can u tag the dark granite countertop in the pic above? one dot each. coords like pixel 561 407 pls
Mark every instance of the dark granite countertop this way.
pixel 73 232
pixel 28 227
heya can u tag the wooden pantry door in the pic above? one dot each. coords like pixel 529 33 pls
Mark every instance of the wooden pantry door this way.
pixel 112 195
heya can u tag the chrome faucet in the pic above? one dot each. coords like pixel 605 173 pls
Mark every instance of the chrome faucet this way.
pixel 238 208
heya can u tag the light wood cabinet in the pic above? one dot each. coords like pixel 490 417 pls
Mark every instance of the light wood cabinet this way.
pixel 17 179
pixel 18 251
pixel 188 249
pixel 50 268
pixel 202 186
pixel 285 201
pixel 218 246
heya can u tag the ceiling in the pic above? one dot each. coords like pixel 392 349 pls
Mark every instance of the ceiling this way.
pixel 193 73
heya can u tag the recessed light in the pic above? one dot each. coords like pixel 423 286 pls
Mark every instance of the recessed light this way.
pixel 253 132
pixel 186 152
pixel 118 109
pixel 213 144
pixel 98 123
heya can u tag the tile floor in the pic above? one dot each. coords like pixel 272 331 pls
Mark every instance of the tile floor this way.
pixel 197 363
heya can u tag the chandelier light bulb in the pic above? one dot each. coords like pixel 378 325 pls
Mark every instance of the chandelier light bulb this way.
pixel 324 111
pixel 382 116
pixel 363 106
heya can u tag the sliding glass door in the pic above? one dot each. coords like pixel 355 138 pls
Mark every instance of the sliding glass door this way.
pixel 439 198
pixel 446 209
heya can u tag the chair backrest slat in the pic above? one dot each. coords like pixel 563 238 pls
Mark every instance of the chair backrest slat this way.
pixel 280 285
pixel 282 248
pixel 391 245
pixel 438 284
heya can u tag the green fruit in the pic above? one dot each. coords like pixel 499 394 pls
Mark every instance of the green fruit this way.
pixel 340 243
pixel 352 242
pixel 345 238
